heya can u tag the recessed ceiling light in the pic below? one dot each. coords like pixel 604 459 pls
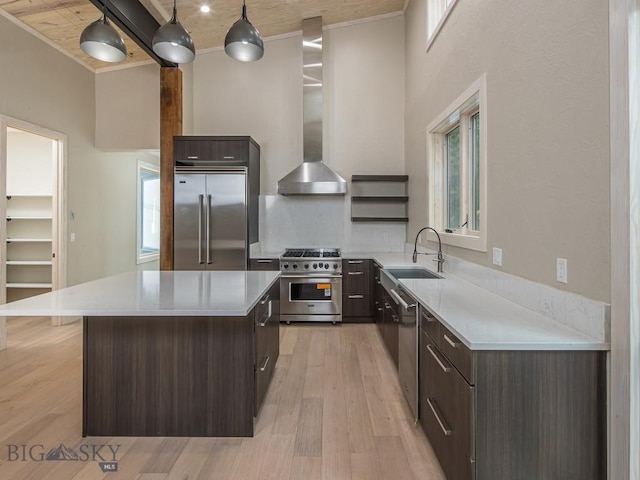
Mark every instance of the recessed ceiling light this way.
pixel 205 9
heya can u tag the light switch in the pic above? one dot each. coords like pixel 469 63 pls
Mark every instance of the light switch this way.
pixel 72 237
pixel 497 256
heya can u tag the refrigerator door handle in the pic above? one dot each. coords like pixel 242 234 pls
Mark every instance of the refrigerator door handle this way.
pixel 200 201
pixel 209 260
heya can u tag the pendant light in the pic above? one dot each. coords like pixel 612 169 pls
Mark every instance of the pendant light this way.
pixel 243 41
pixel 172 42
pixel 101 41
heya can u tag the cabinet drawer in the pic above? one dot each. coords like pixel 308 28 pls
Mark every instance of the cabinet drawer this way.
pixel 264 264
pixel 429 324
pixel 356 282
pixel 448 397
pixel 457 353
pixel 267 343
pixel 356 265
pixel 356 305
pixel 454 462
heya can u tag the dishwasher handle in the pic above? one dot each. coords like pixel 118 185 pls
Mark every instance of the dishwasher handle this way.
pixel 400 300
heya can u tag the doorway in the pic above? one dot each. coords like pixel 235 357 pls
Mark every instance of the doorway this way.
pixel 32 204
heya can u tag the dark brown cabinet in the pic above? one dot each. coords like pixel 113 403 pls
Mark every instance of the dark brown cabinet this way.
pixel 223 150
pixel 267 342
pixel 390 325
pixel 357 290
pixel 385 315
pixel 264 264
pixel 179 376
pixel 502 415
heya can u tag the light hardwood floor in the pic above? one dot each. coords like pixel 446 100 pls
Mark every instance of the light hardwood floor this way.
pixel 334 410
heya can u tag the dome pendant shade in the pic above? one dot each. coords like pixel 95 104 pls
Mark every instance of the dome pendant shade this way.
pixel 172 42
pixel 243 41
pixel 101 41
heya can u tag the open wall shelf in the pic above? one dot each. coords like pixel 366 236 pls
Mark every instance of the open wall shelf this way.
pixel 379 198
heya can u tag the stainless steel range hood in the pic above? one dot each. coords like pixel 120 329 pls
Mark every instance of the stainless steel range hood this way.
pixel 313 177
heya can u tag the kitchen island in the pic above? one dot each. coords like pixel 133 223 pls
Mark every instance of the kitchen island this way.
pixel 171 353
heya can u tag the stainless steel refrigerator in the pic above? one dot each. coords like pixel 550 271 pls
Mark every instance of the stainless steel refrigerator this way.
pixel 216 190
pixel 210 221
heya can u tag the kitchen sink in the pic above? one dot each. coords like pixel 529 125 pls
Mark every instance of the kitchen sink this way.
pixel 411 272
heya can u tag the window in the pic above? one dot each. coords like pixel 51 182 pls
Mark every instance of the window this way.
pixel 148 248
pixel 437 13
pixel 457 170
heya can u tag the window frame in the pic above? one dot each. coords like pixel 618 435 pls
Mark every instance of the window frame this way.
pixel 434 7
pixel 141 167
pixel 459 113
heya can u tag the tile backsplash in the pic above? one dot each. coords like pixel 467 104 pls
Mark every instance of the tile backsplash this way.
pixel 318 221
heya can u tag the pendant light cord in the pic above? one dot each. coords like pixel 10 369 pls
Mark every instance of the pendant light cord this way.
pixel 174 19
pixel 244 10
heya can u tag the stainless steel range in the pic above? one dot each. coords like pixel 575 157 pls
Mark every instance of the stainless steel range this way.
pixel 311 285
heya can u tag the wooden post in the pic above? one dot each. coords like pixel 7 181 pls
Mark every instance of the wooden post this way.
pixel 170 125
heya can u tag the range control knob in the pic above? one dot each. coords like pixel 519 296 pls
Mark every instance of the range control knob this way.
pixel 335 266
pixel 286 265
pixel 306 266
pixel 315 265
pixel 295 265
pixel 326 265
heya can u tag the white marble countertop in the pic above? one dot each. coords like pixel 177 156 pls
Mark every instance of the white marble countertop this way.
pixel 480 319
pixel 153 293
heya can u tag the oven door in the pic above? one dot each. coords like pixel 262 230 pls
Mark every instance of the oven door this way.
pixel 311 295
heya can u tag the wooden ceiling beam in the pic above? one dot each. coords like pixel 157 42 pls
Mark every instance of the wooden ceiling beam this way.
pixel 136 22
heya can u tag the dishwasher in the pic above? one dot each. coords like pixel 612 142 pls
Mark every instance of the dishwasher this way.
pixel 407 341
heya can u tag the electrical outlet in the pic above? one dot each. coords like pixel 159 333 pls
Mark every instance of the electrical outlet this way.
pixel 72 237
pixel 561 270
pixel 497 256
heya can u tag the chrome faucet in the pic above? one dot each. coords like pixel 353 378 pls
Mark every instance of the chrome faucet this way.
pixel 440 258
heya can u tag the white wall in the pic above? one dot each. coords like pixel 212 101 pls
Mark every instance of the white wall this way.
pixel 548 130
pixel 46 88
pixel 363 123
pixel 128 108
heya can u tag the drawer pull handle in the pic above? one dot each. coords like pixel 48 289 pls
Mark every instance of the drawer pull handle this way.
pixel 355 273
pixel 355 262
pixel 428 317
pixel 395 318
pixel 228 157
pixel 450 342
pixel 192 157
pixel 387 306
pixel 356 296
pixel 434 408
pixel 263 367
pixel 266 316
pixel 442 365
pixel 264 260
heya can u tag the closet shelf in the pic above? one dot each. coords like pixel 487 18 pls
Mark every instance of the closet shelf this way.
pixel 29 262
pixel 29 240
pixel 29 285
